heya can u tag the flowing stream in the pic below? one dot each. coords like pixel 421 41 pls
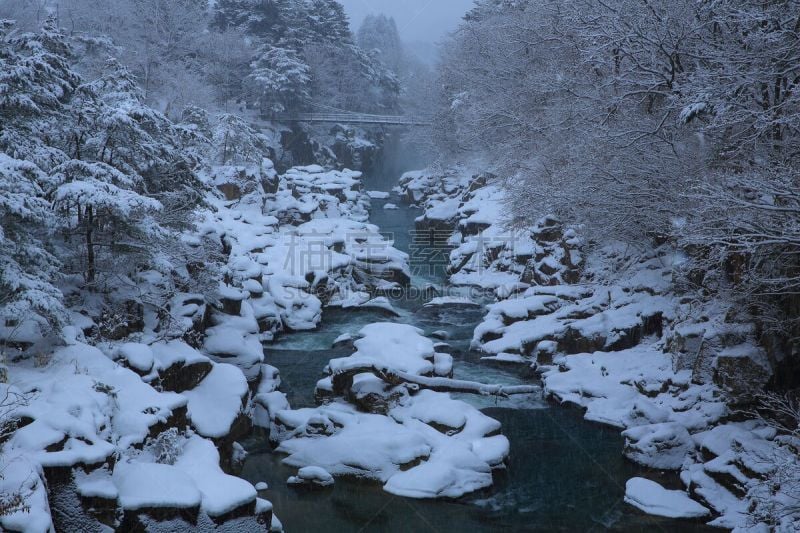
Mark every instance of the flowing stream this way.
pixel 563 474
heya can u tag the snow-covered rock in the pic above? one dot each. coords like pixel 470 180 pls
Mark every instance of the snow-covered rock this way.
pixel 654 499
pixel 217 401
pixel 313 476
pixel 153 486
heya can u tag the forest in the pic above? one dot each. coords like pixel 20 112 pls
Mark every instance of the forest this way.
pixel 548 279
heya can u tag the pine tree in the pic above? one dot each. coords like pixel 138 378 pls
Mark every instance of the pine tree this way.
pixel 279 79
pixel 35 83
pixel 27 268
pixel 256 17
pixel 379 33
pixel 99 205
pixel 234 141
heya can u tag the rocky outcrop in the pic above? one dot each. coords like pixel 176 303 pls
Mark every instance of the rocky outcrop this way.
pixel 466 213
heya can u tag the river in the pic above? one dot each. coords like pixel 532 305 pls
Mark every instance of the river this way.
pixel 564 473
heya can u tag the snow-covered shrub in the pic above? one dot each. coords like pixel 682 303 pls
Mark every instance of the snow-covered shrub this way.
pixel 167 447
pixel 775 499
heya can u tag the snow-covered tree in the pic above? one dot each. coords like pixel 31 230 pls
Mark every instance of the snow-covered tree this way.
pixel 36 80
pixel 379 33
pixel 235 142
pixel 35 83
pixel 28 271
pixel 99 206
pixel 306 52
pixel 279 79
pixel 160 41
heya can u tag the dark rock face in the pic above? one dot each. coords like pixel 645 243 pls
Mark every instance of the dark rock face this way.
pixel 340 147
pixel 231 191
pixel 298 148
pixel 741 376
pixel 549 230
pixel 235 182
pixel 352 154
pixel 71 511
pixel 183 376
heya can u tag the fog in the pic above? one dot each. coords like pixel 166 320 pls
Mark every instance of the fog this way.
pixel 422 23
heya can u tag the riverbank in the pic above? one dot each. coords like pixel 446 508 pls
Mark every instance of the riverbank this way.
pixel 617 331
pixel 562 472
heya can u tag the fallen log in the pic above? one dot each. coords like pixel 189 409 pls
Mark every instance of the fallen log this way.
pixel 343 375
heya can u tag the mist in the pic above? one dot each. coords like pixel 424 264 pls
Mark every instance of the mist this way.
pixel 421 23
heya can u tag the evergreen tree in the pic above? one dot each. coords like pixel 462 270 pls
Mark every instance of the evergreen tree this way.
pixel 27 269
pixel 379 33
pixel 279 79
pixel 35 83
pixel 99 206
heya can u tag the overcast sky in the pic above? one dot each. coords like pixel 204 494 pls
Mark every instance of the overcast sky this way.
pixel 417 20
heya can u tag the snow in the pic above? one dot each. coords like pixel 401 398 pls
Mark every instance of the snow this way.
pixel 451 300
pixel 20 475
pixel 138 356
pixel 153 485
pixel 654 499
pixel 95 484
pixel 313 475
pixel 378 195
pixel 216 402
pixel 221 493
pixel 261 485
pixel 397 346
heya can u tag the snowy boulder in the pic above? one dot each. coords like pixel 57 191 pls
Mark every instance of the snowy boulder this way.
pixel 154 486
pixel 441 334
pixel 345 340
pixel 742 371
pixel 443 364
pixel 663 446
pixel 450 472
pixel 138 357
pixel 221 494
pixel 180 367
pixel 363 445
pixel 216 403
pixel 231 343
pixel 231 299
pixel 390 345
pixel 266 407
pixel 311 476
pixel 253 287
pixel 652 498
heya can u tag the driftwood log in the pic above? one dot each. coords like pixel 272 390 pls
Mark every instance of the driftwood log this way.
pixel 343 380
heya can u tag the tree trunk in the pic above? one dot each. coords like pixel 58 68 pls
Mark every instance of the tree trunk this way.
pixel 90 261
pixel 343 380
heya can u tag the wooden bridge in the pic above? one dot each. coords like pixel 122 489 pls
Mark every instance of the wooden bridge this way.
pixel 351 118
